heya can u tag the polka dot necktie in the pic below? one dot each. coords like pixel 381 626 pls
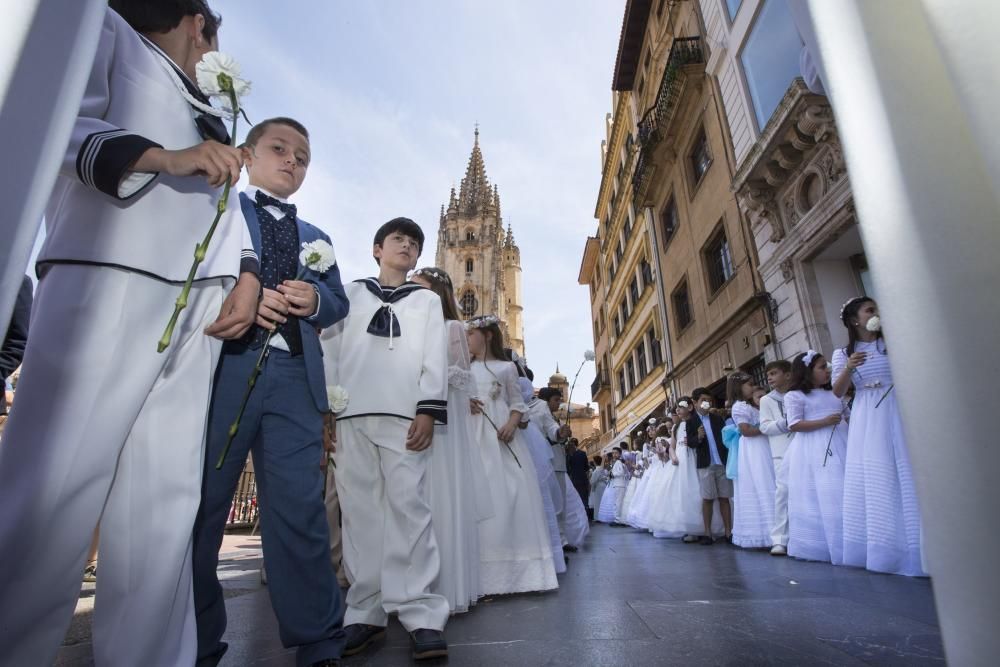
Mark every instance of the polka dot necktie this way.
pixel 279 261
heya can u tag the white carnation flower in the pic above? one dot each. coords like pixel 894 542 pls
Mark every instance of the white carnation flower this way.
pixel 874 324
pixel 218 73
pixel 317 256
pixel 337 397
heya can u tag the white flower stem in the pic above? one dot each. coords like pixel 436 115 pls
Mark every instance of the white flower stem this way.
pixel 200 250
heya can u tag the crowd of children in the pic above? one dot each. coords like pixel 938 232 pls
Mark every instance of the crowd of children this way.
pixel 816 468
pixel 372 413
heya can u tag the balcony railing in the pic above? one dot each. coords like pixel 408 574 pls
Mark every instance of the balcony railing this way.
pixel 656 120
pixel 600 382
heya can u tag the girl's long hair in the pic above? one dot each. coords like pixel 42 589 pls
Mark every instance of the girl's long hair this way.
pixel 734 387
pixel 802 374
pixel 494 342
pixel 441 285
pixel 851 311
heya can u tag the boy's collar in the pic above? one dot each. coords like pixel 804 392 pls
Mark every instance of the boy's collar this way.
pixel 251 191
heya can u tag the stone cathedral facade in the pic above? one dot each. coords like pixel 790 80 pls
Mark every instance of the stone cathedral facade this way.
pixel 480 255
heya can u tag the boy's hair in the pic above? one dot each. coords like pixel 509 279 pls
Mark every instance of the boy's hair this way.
pixel 441 285
pixel 701 391
pixel 617 449
pixel 161 16
pixel 545 393
pixel 779 364
pixel 598 459
pixel 257 131
pixel 403 226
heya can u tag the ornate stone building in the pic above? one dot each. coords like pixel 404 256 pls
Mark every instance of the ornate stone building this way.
pixel 481 256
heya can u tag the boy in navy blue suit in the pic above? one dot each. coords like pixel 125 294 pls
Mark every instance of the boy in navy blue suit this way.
pixel 283 423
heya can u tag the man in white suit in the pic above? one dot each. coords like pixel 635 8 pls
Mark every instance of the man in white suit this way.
pixel 107 428
pixel 541 414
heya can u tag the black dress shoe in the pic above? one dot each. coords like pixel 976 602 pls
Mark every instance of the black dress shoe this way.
pixel 360 636
pixel 428 644
pixel 329 662
pixel 570 548
pixel 705 540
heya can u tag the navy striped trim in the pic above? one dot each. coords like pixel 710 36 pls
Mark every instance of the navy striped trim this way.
pixel 249 262
pixel 434 408
pixel 106 157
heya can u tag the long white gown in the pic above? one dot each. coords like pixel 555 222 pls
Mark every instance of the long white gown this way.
pixel 457 483
pixel 753 515
pixel 676 512
pixel 575 523
pixel 881 513
pixel 608 510
pixel 815 491
pixel 541 455
pixel 654 479
pixel 598 483
pixel 514 546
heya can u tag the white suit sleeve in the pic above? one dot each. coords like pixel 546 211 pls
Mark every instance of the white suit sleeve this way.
pixel 432 393
pixel 331 340
pixel 101 154
pixel 771 421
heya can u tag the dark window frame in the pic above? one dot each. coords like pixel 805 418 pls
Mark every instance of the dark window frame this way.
pixel 698 172
pixel 669 231
pixel 717 258
pixel 683 317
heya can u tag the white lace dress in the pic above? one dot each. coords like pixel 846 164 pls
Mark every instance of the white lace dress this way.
pixel 651 485
pixel 514 547
pixel 456 483
pixel 881 514
pixel 541 456
pixel 676 512
pixel 815 491
pixel 753 515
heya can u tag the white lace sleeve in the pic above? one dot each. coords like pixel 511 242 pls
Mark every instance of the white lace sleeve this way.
pixel 512 393
pixel 795 407
pixel 459 375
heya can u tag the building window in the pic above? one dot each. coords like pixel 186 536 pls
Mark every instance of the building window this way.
pixel 718 261
pixel 470 235
pixel 633 291
pixel 701 157
pixel 629 140
pixel 469 304
pixel 756 370
pixel 623 311
pixel 611 272
pixel 619 252
pixel 655 353
pixel 630 374
pixel 618 326
pixel 628 225
pixel 468 266
pixel 640 357
pixel 646 271
pixel 733 6
pixel 682 306
pixel 771 58
pixel 668 220
pixel 622 389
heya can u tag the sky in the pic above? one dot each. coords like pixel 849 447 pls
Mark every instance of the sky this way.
pixel 391 90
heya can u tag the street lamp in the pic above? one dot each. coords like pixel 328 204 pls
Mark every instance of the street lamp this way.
pixel 588 355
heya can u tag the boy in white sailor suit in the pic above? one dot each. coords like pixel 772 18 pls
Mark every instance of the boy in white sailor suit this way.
pixel 106 428
pixel 390 356
pixel 774 425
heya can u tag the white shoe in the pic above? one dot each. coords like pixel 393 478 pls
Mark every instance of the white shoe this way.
pixel 263 576
pixel 779 550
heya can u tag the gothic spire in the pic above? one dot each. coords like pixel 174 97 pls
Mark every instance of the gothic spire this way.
pixel 476 194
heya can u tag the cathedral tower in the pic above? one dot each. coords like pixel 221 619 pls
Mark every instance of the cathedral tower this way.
pixel 479 254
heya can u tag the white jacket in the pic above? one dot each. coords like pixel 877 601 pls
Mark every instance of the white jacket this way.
pixel 542 417
pixel 618 472
pixel 774 425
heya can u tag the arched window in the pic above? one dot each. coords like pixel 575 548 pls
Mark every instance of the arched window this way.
pixel 470 235
pixel 469 304
pixel 469 265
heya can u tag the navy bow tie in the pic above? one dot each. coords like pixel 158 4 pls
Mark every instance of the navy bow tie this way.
pixel 264 199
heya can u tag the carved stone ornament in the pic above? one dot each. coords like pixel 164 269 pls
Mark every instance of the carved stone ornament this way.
pixel 787 270
pixel 832 162
pixel 759 204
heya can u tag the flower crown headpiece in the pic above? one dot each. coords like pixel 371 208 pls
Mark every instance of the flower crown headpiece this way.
pixel 439 276
pixel 808 357
pixel 851 302
pixel 481 322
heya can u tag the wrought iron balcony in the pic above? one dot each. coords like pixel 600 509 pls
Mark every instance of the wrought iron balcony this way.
pixel 600 382
pixel 655 123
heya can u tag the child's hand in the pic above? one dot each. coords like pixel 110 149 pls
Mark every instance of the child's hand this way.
pixel 272 309
pixel 420 434
pixel 237 312
pixel 217 162
pixel 506 432
pixel 329 433
pixel 856 359
pixel 301 297
pixel 476 406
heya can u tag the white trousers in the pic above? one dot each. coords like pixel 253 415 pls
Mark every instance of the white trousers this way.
pixel 390 550
pixel 105 428
pixel 779 534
